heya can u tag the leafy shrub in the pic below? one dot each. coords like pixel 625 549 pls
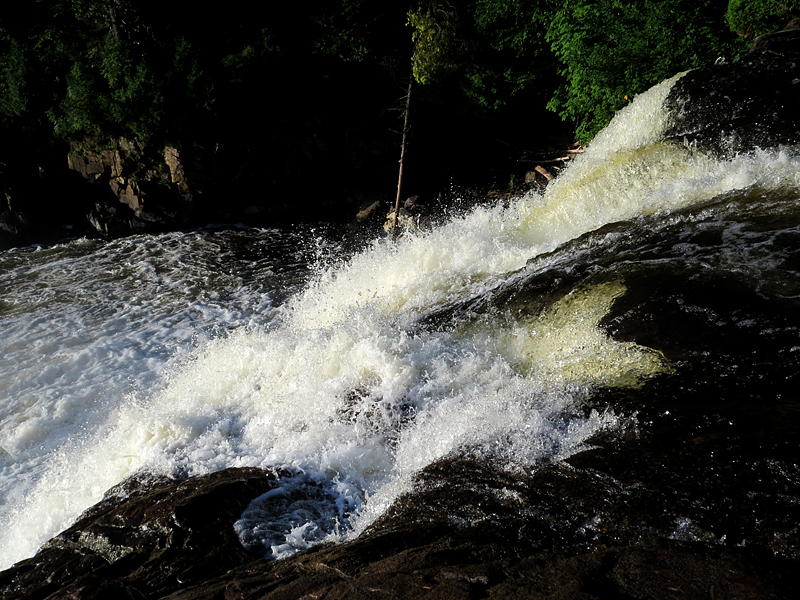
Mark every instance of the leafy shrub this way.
pixel 611 50
pixel 438 49
pixel 756 17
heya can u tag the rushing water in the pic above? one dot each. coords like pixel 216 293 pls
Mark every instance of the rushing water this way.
pixel 192 352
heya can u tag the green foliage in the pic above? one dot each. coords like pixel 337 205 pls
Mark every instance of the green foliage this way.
pixel 514 52
pixel 92 67
pixel 606 51
pixel 342 29
pixel 76 115
pixel 239 64
pixel 125 68
pixel 438 48
pixel 490 49
pixel 612 50
pixel 756 17
pixel 13 78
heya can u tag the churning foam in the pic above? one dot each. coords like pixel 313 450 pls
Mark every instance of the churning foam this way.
pixel 335 389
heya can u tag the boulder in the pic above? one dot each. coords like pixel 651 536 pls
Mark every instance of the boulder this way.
pixel 736 107
pixel 469 531
pixel 148 537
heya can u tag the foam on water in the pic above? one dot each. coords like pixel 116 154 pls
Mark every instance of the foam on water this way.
pixel 331 387
pixel 83 326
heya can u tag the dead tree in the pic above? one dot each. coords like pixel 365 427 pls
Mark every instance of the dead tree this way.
pixel 406 113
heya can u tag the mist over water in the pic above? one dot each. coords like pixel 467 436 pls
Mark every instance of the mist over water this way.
pixel 189 353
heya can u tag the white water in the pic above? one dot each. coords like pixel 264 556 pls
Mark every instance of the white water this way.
pixel 142 356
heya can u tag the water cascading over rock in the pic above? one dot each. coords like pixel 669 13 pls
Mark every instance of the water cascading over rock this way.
pixel 590 393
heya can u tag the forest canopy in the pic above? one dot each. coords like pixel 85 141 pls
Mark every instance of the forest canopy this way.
pixel 604 51
pixel 152 71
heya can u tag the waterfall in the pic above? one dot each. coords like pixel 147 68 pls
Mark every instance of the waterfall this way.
pixel 160 358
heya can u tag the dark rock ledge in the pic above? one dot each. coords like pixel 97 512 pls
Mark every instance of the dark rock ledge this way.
pixel 736 107
pixel 145 539
pixel 469 532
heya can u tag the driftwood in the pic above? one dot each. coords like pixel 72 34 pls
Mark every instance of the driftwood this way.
pixel 544 172
pixel 543 159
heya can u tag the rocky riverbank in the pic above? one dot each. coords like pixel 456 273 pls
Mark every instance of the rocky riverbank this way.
pixel 114 188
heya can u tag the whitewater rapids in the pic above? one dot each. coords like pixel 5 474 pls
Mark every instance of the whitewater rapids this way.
pixel 163 354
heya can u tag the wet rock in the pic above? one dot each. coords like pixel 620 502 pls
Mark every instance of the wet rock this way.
pixel 366 211
pixel 778 40
pixel 740 106
pixel 9 229
pixel 139 189
pixel 414 215
pixel 147 538
pixel 411 555
pixel 566 531
pixel 41 200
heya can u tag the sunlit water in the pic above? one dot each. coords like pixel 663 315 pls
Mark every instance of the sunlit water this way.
pixel 192 352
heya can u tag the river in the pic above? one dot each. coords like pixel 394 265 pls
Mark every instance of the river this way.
pixel 652 290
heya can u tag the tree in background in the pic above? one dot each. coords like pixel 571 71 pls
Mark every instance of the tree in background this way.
pixel 313 71
pixel 513 54
pixel 14 76
pixel 98 67
pixel 756 17
pixel 439 46
pixel 489 49
pixel 606 51
pixel 18 69
pixel 141 69
pixel 611 50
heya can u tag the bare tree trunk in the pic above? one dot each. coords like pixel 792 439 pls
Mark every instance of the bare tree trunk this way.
pixel 112 17
pixel 402 158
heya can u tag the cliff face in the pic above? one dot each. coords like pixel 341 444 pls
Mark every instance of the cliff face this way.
pixel 144 188
pixel 51 190
pixel 107 187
